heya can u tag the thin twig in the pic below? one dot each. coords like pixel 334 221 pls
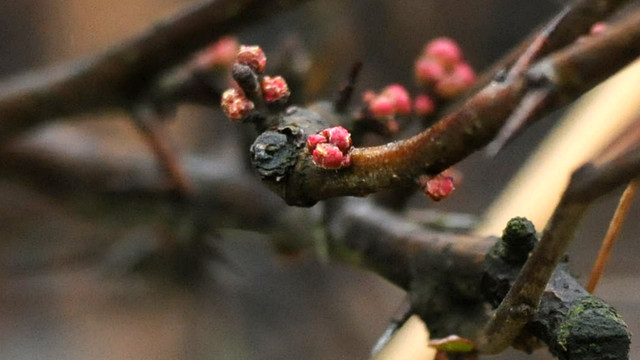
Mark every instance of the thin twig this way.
pixel 345 94
pixel 152 129
pixel 531 105
pixel 612 234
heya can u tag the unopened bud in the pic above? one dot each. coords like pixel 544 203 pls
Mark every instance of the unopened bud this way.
pixel 235 105
pixel 424 105
pixel 252 56
pixel 400 97
pixel 444 50
pixel 339 137
pixel 275 89
pixel 436 187
pixel 328 156
pixel 428 71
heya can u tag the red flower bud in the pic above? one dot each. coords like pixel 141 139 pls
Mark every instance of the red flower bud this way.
pixel 428 71
pixel 328 156
pixel 598 28
pixel 275 89
pixel 424 105
pixel 313 140
pixel 465 73
pixel 339 137
pixel 461 79
pixel 444 50
pixel 381 106
pixel 400 97
pixel 330 148
pixel 437 187
pixel 252 56
pixel 235 105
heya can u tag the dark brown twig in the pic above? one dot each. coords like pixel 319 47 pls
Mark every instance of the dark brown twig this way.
pixel 152 129
pixel 346 92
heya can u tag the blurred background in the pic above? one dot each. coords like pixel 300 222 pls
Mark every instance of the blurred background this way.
pixel 61 297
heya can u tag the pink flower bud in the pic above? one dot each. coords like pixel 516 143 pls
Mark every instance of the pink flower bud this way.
pixel 328 156
pixel 313 140
pixel 460 80
pixel 339 137
pixel 252 56
pixel 275 89
pixel 424 105
pixel 235 105
pixel 444 50
pixel 465 73
pixel 437 187
pixel 598 28
pixel 381 106
pixel 400 97
pixel 428 71
pixel 220 54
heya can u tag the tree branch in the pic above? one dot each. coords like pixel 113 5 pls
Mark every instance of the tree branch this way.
pixel 569 72
pixel 121 76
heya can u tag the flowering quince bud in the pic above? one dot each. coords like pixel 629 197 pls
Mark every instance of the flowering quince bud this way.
pixel 465 73
pixel 235 105
pixel 381 106
pixel 330 148
pixel 220 54
pixel 400 97
pixel 424 105
pixel 313 140
pixel 275 89
pixel 598 28
pixel 428 71
pixel 437 187
pixel 339 137
pixel 461 79
pixel 252 56
pixel 444 50
pixel 329 156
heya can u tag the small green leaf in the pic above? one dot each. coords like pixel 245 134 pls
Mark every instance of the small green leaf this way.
pixel 453 343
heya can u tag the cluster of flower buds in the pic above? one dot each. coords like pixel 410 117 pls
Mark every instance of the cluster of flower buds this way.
pixel 272 89
pixel 330 148
pixel 442 71
pixel 391 101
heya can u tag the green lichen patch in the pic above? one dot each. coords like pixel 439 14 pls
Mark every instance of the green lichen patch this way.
pixel 593 330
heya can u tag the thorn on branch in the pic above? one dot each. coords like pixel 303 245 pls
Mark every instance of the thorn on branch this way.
pixel 346 92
